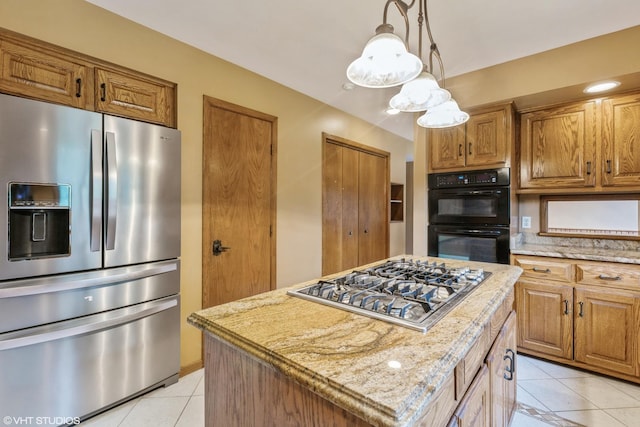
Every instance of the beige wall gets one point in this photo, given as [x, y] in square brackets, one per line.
[555, 76]
[85, 28]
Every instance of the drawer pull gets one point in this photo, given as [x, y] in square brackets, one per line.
[603, 277]
[581, 304]
[566, 306]
[510, 369]
[540, 270]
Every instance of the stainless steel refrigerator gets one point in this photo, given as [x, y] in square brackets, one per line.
[89, 268]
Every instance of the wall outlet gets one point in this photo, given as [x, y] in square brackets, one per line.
[526, 222]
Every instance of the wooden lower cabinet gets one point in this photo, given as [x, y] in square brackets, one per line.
[606, 329]
[545, 322]
[590, 322]
[501, 362]
[475, 408]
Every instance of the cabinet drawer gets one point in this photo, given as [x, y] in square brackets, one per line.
[608, 274]
[545, 268]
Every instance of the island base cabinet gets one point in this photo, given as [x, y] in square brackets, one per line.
[240, 391]
[475, 408]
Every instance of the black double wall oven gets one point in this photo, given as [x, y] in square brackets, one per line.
[469, 215]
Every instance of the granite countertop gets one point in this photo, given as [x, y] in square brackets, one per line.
[608, 250]
[344, 357]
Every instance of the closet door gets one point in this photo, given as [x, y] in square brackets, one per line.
[373, 211]
[355, 205]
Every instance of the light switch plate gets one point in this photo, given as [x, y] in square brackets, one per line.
[526, 222]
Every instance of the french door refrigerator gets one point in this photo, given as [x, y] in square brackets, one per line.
[89, 268]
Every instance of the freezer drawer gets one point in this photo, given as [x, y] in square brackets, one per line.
[38, 301]
[75, 368]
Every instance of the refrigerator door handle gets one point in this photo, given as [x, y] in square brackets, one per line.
[96, 190]
[47, 285]
[88, 326]
[112, 191]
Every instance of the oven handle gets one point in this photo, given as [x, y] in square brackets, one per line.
[475, 232]
[480, 193]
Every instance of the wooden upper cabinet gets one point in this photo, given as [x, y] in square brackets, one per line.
[446, 148]
[134, 96]
[621, 141]
[36, 69]
[484, 141]
[487, 139]
[42, 74]
[558, 147]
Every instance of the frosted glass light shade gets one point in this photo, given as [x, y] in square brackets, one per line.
[443, 116]
[385, 62]
[420, 94]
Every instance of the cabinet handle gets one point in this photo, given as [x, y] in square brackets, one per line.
[589, 168]
[603, 277]
[103, 92]
[608, 166]
[470, 144]
[581, 314]
[510, 370]
[460, 150]
[566, 306]
[78, 88]
[539, 270]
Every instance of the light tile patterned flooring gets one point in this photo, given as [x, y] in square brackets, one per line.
[548, 395]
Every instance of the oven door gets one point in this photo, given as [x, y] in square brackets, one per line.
[484, 244]
[469, 206]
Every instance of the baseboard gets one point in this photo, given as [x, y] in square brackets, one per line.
[185, 370]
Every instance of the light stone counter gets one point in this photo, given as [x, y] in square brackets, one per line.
[344, 357]
[624, 251]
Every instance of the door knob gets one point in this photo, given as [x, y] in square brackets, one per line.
[218, 248]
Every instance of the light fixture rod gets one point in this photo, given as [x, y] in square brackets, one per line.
[433, 47]
[402, 8]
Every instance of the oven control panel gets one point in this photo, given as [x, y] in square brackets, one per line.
[491, 177]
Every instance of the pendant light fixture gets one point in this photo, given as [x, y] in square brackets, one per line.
[420, 92]
[386, 60]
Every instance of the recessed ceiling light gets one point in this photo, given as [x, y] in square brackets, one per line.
[601, 86]
[392, 111]
[348, 86]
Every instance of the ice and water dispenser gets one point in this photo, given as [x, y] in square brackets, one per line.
[39, 220]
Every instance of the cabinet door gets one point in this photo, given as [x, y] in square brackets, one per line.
[487, 139]
[373, 208]
[474, 410]
[40, 74]
[621, 141]
[134, 97]
[502, 370]
[447, 148]
[606, 329]
[558, 147]
[545, 322]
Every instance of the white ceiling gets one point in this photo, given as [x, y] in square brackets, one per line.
[307, 46]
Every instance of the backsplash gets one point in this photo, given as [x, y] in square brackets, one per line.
[576, 242]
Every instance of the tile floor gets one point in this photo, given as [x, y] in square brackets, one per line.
[548, 395]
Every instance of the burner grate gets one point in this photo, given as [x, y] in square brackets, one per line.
[411, 293]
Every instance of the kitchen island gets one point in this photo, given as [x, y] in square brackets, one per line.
[274, 359]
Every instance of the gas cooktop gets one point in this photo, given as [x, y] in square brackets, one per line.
[412, 293]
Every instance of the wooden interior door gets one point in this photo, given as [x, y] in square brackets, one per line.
[238, 202]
